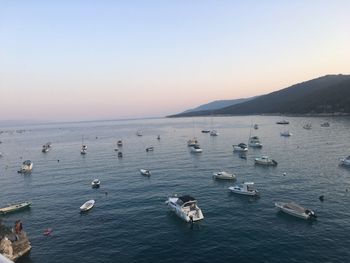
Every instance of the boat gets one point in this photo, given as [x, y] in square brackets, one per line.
[47, 231]
[224, 176]
[196, 149]
[325, 124]
[307, 126]
[247, 188]
[286, 134]
[213, 133]
[95, 183]
[120, 143]
[27, 167]
[205, 131]
[158, 137]
[185, 207]
[296, 210]
[83, 146]
[242, 147]
[256, 126]
[265, 160]
[150, 149]
[254, 142]
[192, 142]
[145, 172]
[15, 207]
[120, 155]
[282, 122]
[87, 206]
[45, 148]
[139, 133]
[345, 161]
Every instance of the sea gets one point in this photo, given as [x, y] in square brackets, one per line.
[131, 222]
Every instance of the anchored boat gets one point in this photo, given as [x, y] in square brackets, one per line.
[87, 206]
[246, 188]
[295, 210]
[265, 160]
[224, 176]
[15, 207]
[185, 207]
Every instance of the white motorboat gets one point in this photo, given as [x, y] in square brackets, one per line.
[242, 147]
[45, 148]
[247, 188]
[95, 183]
[15, 208]
[196, 149]
[325, 124]
[286, 134]
[224, 176]
[254, 142]
[214, 133]
[83, 146]
[87, 206]
[256, 126]
[139, 133]
[265, 160]
[120, 143]
[150, 149]
[205, 131]
[192, 142]
[120, 155]
[185, 207]
[145, 172]
[345, 161]
[282, 122]
[295, 210]
[307, 126]
[27, 167]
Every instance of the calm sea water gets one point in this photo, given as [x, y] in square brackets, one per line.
[132, 224]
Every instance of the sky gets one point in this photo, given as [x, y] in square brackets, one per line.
[70, 60]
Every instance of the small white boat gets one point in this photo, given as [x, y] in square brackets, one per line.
[242, 147]
[286, 134]
[265, 160]
[45, 148]
[345, 161]
[15, 207]
[205, 131]
[307, 126]
[224, 176]
[295, 210]
[256, 126]
[83, 149]
[27, 167]
[87, 206]
[150, 149]
[254, 142]
[139, 133]
[246, 188]
[214, 133]
[145, 172]
[185, 207]
[192, 142]
[282, 122]
[95, 183]
[325, 124]
[196, 149]
[120, 143]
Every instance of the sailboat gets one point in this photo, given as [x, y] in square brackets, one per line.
[213, 132]
[83, 146]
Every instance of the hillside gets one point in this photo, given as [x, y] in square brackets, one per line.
[327, 94]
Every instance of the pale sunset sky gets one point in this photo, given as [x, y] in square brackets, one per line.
[68, 60]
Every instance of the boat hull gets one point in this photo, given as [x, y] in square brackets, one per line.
[15, 208]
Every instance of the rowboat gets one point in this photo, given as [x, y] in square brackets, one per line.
[15, 207]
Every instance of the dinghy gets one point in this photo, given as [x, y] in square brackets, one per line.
[145, 172]
[87, 206]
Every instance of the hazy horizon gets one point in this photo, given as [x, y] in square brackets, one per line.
[83, 60]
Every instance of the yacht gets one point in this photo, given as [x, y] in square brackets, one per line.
[242, 147]
[325, 124]
[247, 188]
[185, 207]
[282, 122]
[255, 142]
[286, 134]
[120, 143]
[265, 160]
[214, 133]
[192, 142]
[87, 206]
[83, 149]
[196, 149]
[95, 183]
[45, 148]
[145, 172]
[27, 167]
[345, 161]
[307, 126]
[295, 210]
[224, 176]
